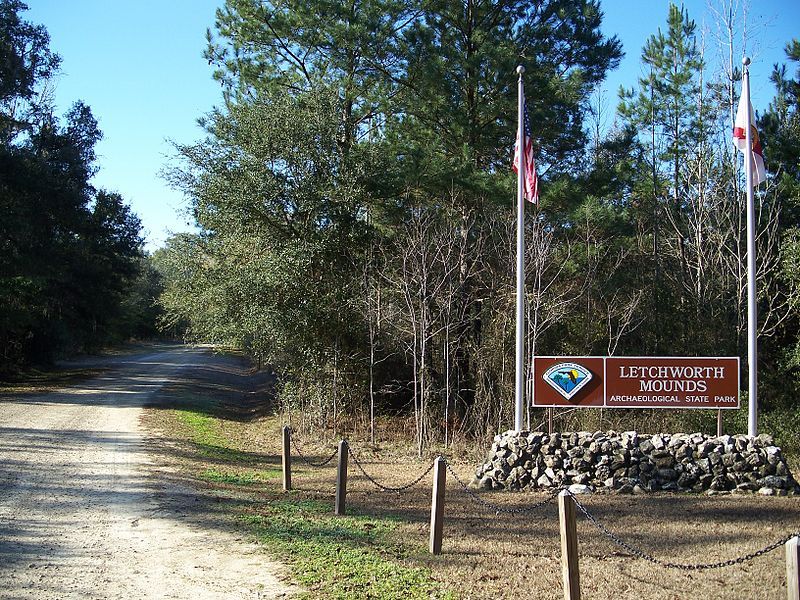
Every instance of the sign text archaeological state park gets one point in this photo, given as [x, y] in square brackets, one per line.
[636, 382]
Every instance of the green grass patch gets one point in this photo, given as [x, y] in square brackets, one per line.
[204, 428]
[206, 434]
[241, 478]
[341, 557]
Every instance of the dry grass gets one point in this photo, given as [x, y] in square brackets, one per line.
[491, 556]
[486, 555]
[505, 556]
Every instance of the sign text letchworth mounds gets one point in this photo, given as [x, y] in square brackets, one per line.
[636, 382]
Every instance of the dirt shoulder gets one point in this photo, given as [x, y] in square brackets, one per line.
[87, 510]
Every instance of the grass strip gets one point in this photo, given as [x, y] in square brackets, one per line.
[241, 477]
[206, 434]
[340, 557]
[347, 558]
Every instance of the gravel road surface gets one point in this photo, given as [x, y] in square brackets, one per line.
[86, 512]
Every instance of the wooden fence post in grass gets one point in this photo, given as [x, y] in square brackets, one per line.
[287, 458]
[793, 568]
[341, 479]
[437, 505]
[569, 546]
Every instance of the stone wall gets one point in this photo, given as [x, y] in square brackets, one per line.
[627, 462]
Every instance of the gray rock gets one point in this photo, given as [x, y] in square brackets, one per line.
[577, 489]
[702, 450]
[739, 466]
[553, 462]
[719, 484]
[693, 462]
[774, 481]
[754, 460]
[766, 491]
[618, 461]
[665, 462]
[584, 478]
[646, 446]
[765, 440]
[667, 474]
[485, 483]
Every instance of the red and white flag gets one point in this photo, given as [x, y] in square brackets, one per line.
[740, 140]
[531, 180]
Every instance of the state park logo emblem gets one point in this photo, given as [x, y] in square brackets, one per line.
[567, 378]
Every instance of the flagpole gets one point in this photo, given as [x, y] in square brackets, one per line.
[752, 316]
[519, 392]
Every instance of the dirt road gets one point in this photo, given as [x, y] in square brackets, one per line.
[87, 512]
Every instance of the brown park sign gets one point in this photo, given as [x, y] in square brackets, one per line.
[636, 382]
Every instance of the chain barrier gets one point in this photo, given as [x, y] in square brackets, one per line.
[386, 488]
[495, 507]
[310, 462]
[638, 552]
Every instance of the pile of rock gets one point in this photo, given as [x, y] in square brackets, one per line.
[627, 462]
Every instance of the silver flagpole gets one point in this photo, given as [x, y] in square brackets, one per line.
[520, 363]
[752, 316]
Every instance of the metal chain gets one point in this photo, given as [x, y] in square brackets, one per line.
[615, 539]
[671, 565]
[386, 488]
[496, 508]
[309, 462]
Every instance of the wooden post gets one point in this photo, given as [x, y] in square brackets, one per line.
[569, 547]
[341, 479]
[287, 458]
[793, 568]
[719, 422]
[437, 505]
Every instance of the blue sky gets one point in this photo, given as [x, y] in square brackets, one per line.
[139, 65]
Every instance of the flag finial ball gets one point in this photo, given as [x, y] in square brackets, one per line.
[520, 70]
[746, 61]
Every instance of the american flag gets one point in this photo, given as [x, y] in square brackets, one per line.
[531, 180]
